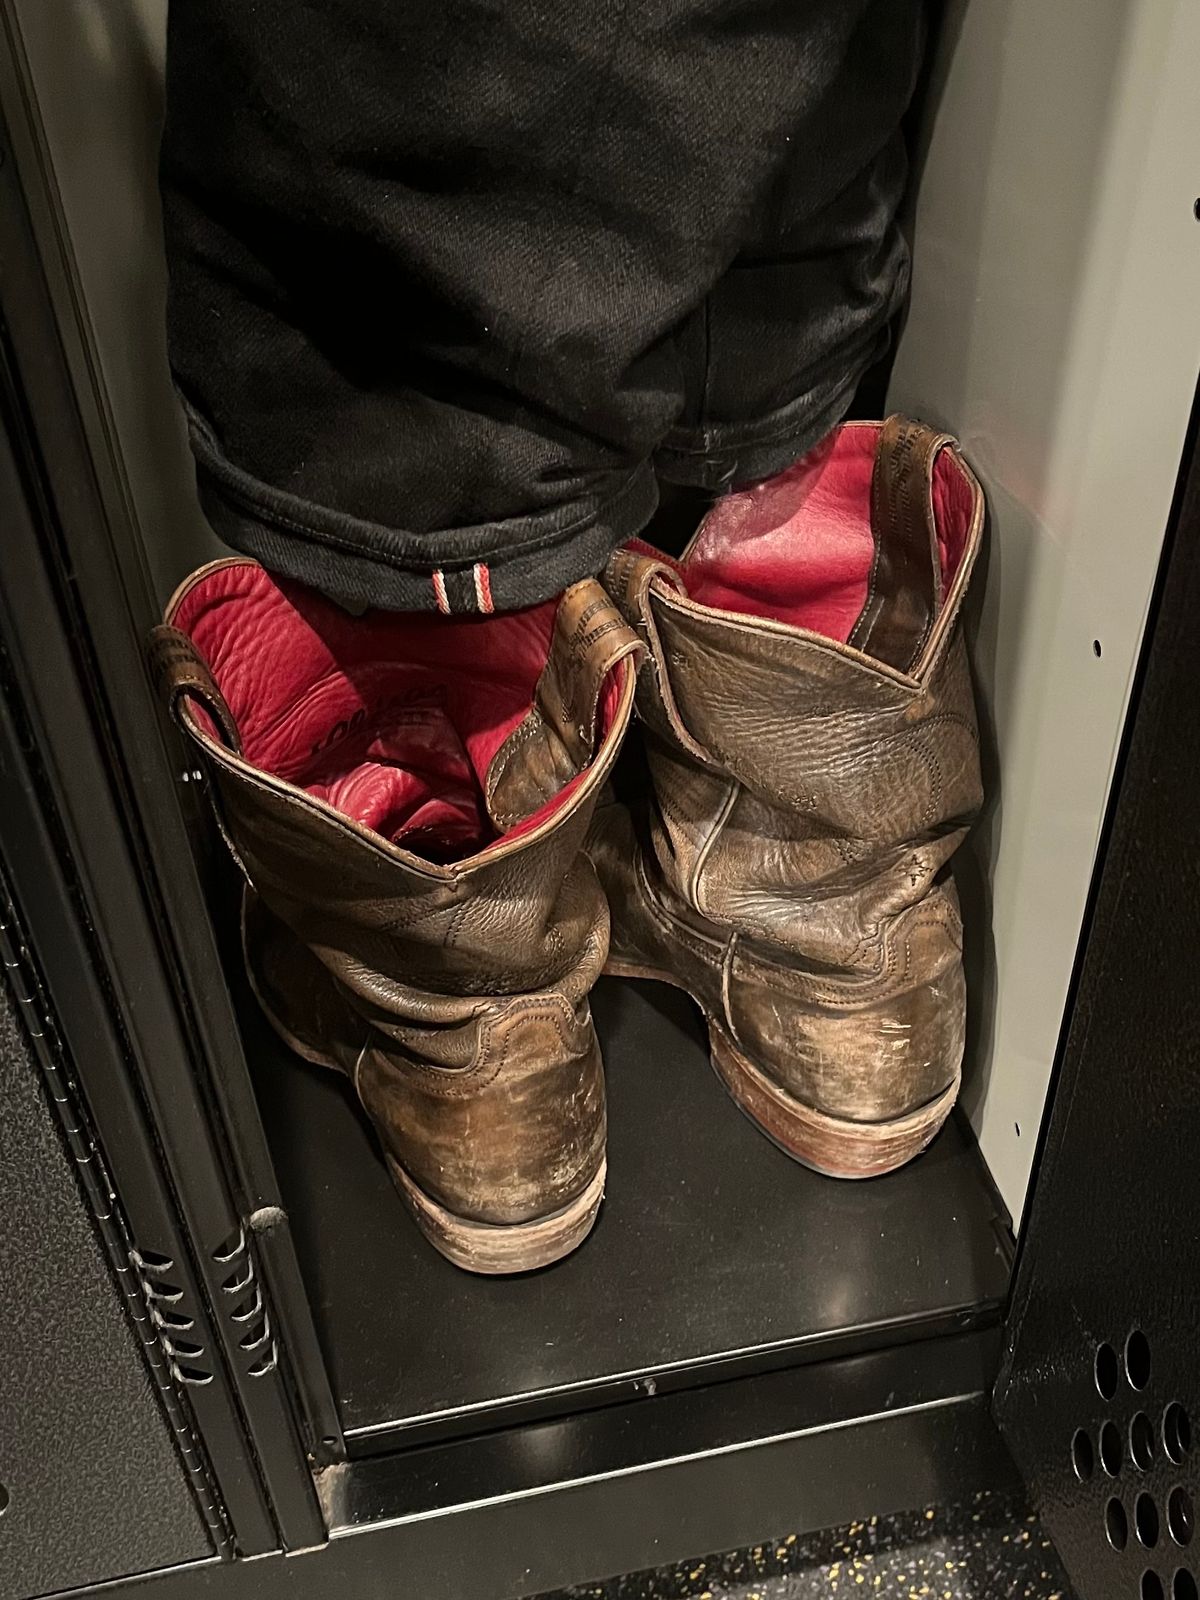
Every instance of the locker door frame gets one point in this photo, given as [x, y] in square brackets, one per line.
[186, 1156]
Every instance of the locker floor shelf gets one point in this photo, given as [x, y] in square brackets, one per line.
[714, 1255]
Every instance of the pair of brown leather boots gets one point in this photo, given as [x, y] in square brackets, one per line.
[413, 800]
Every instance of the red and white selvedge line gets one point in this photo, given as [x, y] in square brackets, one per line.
[483, 589]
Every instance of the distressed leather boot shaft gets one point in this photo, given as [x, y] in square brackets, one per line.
[811, 737]
[407, 797]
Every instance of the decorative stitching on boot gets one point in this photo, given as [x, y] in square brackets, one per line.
[928, 753]
[868, 989]
[456, 1083]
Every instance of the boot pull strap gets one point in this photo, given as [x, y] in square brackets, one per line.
[632, 573]
[904, 593]
[557, 740]
[590, 637]
[180, 673]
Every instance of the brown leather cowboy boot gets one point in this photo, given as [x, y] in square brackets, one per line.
[407, 796]
[810, 730]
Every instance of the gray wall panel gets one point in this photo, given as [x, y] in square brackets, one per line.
[1055, 327]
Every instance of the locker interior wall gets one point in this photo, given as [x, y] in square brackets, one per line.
[1050, 328]
[1055, 327]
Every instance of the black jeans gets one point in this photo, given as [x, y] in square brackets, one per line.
[454, 282]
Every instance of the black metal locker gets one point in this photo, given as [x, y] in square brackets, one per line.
[1100, 1381]
[93, 1471]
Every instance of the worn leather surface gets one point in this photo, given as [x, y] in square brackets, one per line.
[454, 993]
[510, 1134]
[791, 870]
[905, 586]
[395, 721]
[575, 691]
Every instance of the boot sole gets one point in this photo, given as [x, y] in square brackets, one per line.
[492, 1249]
[835, 1147]
[500, 1249]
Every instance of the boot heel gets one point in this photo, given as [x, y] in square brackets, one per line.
[834, 1146]
[496, 1248]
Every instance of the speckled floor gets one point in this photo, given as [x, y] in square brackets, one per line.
[991, 1549]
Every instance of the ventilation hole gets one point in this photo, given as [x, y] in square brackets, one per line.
[1096, 650]
[1141, 1442]
[153, 1261]
[165, 1294]
[264, 1364]
[248, 1309]
[186, 1352]
[173, 1320]
[255, 1338]
[1116, 1524]
[1196, 209]
[1137, 1359]
[4, 1499]
[1180, 1518]
[1082, 1456]
[1108, 1371]
[1110, 1449]
[1176, 1432]
[1145, 1520]
[232, 1247]
[240, 1279]
[1184, 1586]
[195, 1375]
[1152, 1588]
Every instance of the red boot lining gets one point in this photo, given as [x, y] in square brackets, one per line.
[392, 718]
[798, 547]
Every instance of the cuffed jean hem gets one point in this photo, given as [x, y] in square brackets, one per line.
[502, 567]
[720, 456]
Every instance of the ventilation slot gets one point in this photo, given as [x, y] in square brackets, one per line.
[246, 1307]
[164, 1296]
